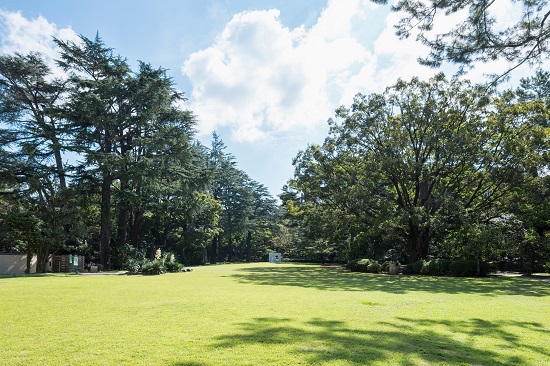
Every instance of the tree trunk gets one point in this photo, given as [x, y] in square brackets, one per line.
[42, 258]
[123, 215]
[417, 242]
[230, 248]
[29, 260]
[248, 245]
[59, 167]
[135, 228]
[214, 251]
[105, 222]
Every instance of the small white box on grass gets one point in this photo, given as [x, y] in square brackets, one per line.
[275, 257]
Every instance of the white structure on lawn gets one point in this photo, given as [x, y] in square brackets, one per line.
[275, 257]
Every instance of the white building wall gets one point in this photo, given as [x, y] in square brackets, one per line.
[16, 263]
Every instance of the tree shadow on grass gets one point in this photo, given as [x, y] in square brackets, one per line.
[405, 341]
[338, 279]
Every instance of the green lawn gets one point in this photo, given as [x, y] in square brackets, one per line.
[268, 314]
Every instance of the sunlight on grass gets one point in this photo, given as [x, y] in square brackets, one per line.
[257, 314]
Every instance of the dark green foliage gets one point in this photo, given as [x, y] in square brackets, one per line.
[173, 266]
[414, 167]
[465, 268]
[155, 267]
[445, 267]
[435, 267]
[248, 216]
[152, 267]
[414, 267]
[364, 265]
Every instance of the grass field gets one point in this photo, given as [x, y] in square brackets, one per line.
[268, 314]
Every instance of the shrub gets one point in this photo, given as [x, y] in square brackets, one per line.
[414, 267]
[435, 267]
[443, 267]
[364, 265]
[463, 268]
[155, 267]
[374, 267]
[173, 266]
[161, 264]
[133, 266]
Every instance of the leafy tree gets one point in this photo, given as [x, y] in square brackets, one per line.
[24, 229]
[477, 35]
[158, 158]
[97, 110]
[531, 201]
[262, 223]
[433, 154]
[230, 188]
[32, 140]
[248, 210]
[29, 97]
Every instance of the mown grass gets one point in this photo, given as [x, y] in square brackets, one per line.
[260, 314]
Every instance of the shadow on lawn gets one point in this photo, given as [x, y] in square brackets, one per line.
[406, 341]
[338, 279]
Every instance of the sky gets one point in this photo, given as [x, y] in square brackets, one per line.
[266, 75]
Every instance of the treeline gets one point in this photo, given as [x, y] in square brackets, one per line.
[438, 169]
[102, 161]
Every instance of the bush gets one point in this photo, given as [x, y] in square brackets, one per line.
[443, 267]
[414, 267]
[173, 266]
[374, 267]
[510, 266]
[465, 268]
[435, 267]
[133, 266]
[161, 264]
[364, 265]
[155, 267]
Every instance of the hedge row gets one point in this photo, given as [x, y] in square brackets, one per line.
[431, 267]
[446, 267]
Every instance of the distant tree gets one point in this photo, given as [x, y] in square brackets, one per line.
[478, 35]
[263, 220]
[248, 210]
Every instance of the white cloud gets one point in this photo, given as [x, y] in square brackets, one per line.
[19, 34]
[260, 77]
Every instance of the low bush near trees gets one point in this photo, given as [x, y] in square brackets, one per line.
[161, 264]
[445, 267]
[365, 265]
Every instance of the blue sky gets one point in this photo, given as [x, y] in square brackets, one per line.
[265, 74]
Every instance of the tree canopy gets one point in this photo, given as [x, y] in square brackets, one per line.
[464, 32]
[411, 166]
[104, 162]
